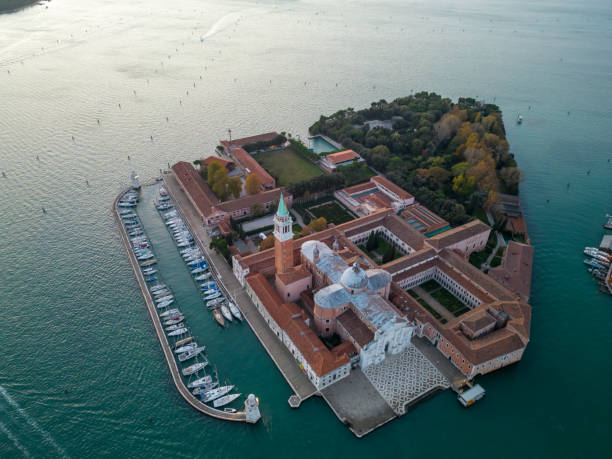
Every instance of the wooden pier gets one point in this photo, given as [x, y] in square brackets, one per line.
[159, 329]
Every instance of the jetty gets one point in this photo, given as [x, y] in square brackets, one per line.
[159, 330]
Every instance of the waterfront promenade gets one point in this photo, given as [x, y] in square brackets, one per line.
[159, 330]
[297, 380]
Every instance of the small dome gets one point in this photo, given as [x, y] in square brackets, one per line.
[354, 278]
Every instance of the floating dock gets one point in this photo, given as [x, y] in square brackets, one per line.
[163, 341]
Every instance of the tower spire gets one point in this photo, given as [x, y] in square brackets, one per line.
[282, 208]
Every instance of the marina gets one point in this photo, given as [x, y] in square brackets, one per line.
[158, 298]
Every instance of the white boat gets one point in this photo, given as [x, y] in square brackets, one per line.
[183, 341]
[225, 400]
[179, 332]
[186, 347]
[212, 296]
[169, 312]
[210, 291]
[157, 287]
[205, 388]
[165, 298]
[194, 368]
[190, 354]
[234, 310]
[214, 302]
[175, 327]
[203, 276]
[200, 382]
[173, 320]
[226, 312]
[230, 410]
[214, 394]
[198, 271]
[165, 304]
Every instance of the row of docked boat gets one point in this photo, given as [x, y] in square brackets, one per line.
[212, 295]
[204, 386]
[599, 264]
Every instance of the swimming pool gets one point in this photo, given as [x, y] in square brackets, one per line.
[320, 145]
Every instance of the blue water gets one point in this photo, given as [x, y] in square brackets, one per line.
[320, 145]
[81, 370]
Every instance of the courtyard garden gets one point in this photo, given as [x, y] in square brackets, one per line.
[380, 250]
[287, 166]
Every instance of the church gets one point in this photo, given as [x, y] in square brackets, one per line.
[327, 305]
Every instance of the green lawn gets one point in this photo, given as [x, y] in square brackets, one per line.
[332, 212]
[287, 165]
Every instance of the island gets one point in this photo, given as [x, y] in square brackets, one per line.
[386, 260]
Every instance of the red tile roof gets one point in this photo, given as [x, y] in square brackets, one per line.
[199, 193]
[388, 184]
[246, 140]
[341, 157]
[228, 164]
[250, 163]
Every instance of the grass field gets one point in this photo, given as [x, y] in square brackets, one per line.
[332, 212]
[287, 165]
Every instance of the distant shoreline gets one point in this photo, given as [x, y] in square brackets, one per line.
[11, 6]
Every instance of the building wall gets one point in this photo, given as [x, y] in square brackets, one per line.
[325, 319]
[283, 255]
[418, 278]
[393, 341]
[239, 272]
[291, 292]
[472, 244]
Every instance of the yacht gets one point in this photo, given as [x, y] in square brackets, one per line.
[183, 341]
[203, 276]
[190, 354]
[164, 304]
[175, 327]
[205, 388]
[198, 271]
[225, 400]
[194, 368]
[178, 332]
[235, 311]
[173, 320]
[594, 264]
[218, 317]
[200, 382]
[214, 394]
[212, 296]
[169, 312]
[226, 312]
[186, 347]
[212, 303]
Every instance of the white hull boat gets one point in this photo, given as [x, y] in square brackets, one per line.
[235, 311]
[216, 393]
[226, 312]
[225, 400]
[179, 332]
[200, 382]
[194, 368]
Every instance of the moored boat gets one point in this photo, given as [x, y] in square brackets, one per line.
[186, 347]
[218, 317]
[214, 394]
[200, 382]
[225, 400]
[174, 327]
[170, 312]
[191, 369]
[174, 320]
[179, 332]
[205, 387]
[226, 312]
[234, 310]
[187, 355]
[184, 341]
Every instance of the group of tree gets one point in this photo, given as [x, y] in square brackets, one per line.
[316, 225]
[252, 184]
[448, 155]
[263, 144]
[220, 182]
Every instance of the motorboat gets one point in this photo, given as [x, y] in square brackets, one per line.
[200, 382]
[194, 368]
[183, 341]
[218, 317]
[169, 312]
[594, 264]
[190, 354]
[150, 279]
[203, 276]
[226, 312]
[210, 291]
[214, 394]
[175, 327]
[150, 262]
[165, 304]
[235, 311]
[225, 400]
[215, 302]
[186, 347]
[230, 410]
[149, 271]
[197, 271]
[173, 320]
[212, 296]
[205, 388]
[178, 332]
[166, 297]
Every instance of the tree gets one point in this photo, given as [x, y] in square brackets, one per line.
[372, 242]
[267, 243]
[389, 254]
[319, 224]
[252, 184]
[213, 168]
[235, 186]
[220, 183]
[463, 185]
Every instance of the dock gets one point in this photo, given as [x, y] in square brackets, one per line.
[285, 362]
[163, 341]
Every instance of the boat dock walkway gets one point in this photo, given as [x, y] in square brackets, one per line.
[159, 329]
[297, 380]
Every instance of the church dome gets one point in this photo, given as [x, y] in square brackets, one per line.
[354, 278]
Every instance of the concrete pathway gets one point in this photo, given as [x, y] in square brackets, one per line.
[501, 242]
[298, 218]
[434, 303]
[281, 356]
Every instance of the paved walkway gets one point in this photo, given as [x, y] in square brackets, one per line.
[258, 223]
[501, 242]
[298, 218]
[431, 301]
[357, 403]
[450, 371]
[281, 356]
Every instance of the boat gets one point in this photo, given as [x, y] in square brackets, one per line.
[212, 296]
[174, 327]
[205, 388]
[157, 287]
[594, 264]
[173, 320]
[225, 400]
[194, 368]
[214, 394]
[226, 312]
[186, 347]
[183, 341]
[519, 119]
[210, 291]
[235, 311]
[169, 312]
[200, 382]
[215, 302]
[148, 262]
[218, 317]
[165, 304]
[203, 276]
[135, 180]
[150, 279]
[471, 396]
[608, 224]
[190, 354]
[167, 297]
[198, 271]
[230, 410]
[149, 271]
[126, 212]
[179, 332]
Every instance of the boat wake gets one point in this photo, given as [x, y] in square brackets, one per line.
[223, 23]
[32, 423]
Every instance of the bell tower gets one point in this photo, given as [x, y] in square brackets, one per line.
[283, 238]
